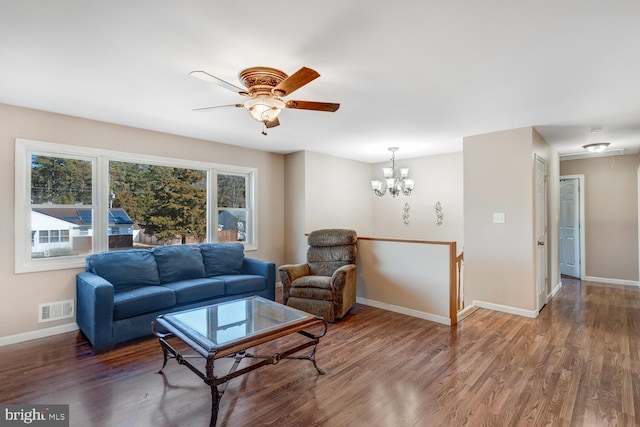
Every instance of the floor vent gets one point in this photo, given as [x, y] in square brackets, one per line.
[55, 310]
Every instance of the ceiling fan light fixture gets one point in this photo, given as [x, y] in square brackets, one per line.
[264, 108]
[597, 147]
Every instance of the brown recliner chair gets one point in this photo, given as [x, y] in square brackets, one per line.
[326, 284]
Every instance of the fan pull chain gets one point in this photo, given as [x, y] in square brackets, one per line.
[264, 128]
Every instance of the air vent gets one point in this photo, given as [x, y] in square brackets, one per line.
[55, 310]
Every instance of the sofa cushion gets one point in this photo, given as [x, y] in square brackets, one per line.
[242, 283]
[196, 289]
[179, 262]
[222, 258]
[126, 269]
[141, 300]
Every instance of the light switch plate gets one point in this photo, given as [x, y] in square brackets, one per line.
[499, 217]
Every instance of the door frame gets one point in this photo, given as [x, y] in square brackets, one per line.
[545, 214]
[581, 197]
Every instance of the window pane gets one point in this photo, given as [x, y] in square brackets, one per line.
[60, 181]
[156, 205]
[232, 191]
[61, 231]
[232, 225]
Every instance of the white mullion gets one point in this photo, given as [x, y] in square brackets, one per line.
[100, 198]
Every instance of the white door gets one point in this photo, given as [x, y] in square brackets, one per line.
[570, 227]
[541, 231]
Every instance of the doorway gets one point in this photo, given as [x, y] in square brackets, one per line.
[571, 226]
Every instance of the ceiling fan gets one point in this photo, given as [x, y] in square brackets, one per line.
[266, 87]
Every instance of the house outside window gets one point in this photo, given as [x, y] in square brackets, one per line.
[233, 212]
[72, 201]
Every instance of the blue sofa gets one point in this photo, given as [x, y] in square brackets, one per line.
[121, 292]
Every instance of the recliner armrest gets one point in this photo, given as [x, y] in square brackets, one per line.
[94, 314]
[289, 273]
[343, 284]
[342, 276]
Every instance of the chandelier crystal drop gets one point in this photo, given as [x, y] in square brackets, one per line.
[394, 182]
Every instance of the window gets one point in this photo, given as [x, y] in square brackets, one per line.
[72, 201]
[233, 213]
[165, 205]
[58, 186]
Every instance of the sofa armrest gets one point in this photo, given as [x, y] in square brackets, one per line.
[94, 315]
[289, 273]
[262, 268]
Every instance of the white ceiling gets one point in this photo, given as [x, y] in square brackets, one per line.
[419, 75]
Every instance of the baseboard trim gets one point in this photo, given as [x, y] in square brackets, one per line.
[40, 333]
[611, 281]
[403, 310]
[466, 312]
[555, 290]
[506, 309]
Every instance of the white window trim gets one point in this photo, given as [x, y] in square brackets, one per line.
[101, 158]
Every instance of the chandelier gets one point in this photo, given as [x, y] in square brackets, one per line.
[393, 182]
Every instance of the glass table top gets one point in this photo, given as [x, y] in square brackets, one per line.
[228, 323]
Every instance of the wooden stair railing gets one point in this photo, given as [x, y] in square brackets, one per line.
[459, 286]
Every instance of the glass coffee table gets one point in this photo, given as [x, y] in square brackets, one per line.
[229, 329]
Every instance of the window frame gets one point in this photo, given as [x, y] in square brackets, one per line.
[249, 201]
[100, 158]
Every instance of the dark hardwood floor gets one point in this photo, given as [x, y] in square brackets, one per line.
[577, 364]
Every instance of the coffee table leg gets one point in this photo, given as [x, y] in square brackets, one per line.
[165, 355]
[215, 394]
[215, 405]
[312, 357]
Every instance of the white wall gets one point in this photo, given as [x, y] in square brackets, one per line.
[324, 192]
[411, 278]
[438, 178]
[499, 177]
[295, 212]
[407, 277]
[21, 293]
[611, 215]
[337, 193]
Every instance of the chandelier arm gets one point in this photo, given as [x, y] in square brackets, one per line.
[401, 184]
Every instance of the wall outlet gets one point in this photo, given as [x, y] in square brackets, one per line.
[499, 218]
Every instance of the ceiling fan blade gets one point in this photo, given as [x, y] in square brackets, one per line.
[203, 75]
[217, 106]
[295, 81]
[310, 105]
[273, 123]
